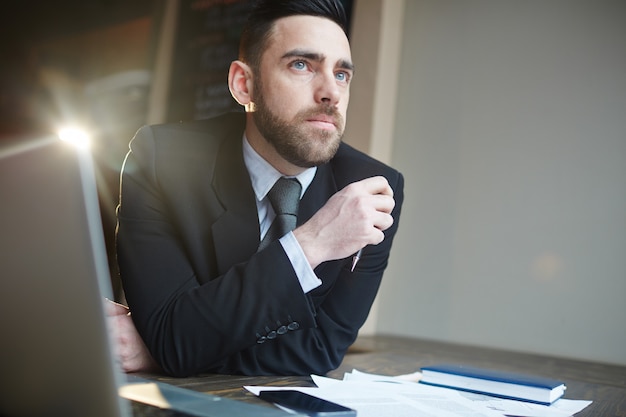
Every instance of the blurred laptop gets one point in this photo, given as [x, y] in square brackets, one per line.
[55, 355]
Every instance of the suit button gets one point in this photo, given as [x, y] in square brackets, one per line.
[294, 325]
[281, 330]
[271, 335]
[261, 339]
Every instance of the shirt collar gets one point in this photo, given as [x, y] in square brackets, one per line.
[263, 175]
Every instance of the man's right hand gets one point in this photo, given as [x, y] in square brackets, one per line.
[354, 217]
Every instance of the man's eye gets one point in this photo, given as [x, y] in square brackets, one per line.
[342, 76]
[299, 65]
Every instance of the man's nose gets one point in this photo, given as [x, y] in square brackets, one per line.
[327, 90]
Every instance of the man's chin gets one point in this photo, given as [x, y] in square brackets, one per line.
[322, 156]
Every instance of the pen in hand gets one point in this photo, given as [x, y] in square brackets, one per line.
[355, 259]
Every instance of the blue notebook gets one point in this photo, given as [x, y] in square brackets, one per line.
[492, 382]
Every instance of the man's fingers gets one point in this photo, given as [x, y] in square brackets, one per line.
[384, 203]
[378, 185]
[383, 221]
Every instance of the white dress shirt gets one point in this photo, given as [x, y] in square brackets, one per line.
[263, 176]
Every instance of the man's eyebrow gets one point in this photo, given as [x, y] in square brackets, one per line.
[345, 64]
[317, 57]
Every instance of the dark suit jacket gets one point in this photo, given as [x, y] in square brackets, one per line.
[201, 296]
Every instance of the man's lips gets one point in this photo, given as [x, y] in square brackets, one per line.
[323, 121]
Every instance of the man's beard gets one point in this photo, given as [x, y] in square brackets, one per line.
[301, 145]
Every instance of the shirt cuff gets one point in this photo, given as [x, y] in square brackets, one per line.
[308, 280]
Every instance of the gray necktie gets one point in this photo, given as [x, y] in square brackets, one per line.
[285, 199]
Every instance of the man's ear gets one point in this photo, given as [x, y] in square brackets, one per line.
[240, 83]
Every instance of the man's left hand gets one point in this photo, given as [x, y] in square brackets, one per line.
[130, 350]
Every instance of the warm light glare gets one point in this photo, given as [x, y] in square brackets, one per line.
[75, 136]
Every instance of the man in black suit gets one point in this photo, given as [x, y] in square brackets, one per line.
[204, 296]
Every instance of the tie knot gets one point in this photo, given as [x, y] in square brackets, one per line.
[285, 196]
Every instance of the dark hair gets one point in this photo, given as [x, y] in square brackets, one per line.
[258, 27]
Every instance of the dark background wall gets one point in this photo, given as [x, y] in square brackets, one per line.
[51, 50]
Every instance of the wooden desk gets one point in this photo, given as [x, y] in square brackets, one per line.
[604, 384]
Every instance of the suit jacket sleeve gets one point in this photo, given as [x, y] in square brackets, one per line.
[198, 312]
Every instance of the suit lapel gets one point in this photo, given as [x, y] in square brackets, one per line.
[236, 231]
[321, 189]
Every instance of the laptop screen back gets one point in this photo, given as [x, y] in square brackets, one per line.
[55, 358]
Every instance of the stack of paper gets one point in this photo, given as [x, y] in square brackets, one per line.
[383, 396]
